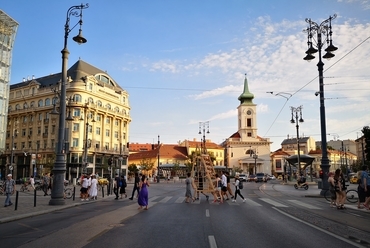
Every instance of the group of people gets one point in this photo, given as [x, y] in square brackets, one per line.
[222, 188]
[89, 187]
[337, 187]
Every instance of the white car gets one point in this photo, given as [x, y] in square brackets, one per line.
[271, 177]
[243, 177]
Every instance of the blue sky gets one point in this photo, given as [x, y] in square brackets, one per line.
[183, 62]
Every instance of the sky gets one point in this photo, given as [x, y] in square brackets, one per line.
[184, 62]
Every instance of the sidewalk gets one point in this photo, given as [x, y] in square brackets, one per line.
[26, 208]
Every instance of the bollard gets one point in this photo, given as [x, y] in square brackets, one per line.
[102, 191]
[74, 192]
[34, 198]
[16, 200]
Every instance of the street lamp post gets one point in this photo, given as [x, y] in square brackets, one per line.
[323, 29]
[158, 160]
[57, 194]
[255, 156]
[11, 166]
[202, 127]
[295, 112]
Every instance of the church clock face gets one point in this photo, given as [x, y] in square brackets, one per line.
[249, 112]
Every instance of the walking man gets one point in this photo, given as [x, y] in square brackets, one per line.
[228, 185]
[136, 186]
[224, 185]
[238, 184]
[9, 190]
[116, 186]
[45, 184]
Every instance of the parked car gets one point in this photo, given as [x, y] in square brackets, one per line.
[260, 177]
[251, 178]
[243, 177]
[353, 179]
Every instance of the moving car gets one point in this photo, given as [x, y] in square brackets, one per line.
[260, 177]
[251, 178]
[243, 177]
[271, 177]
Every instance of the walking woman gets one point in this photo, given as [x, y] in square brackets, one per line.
[339, 189]
[237, 189]
[189, 185]
[143, 194]
[94, 188]
[333, 197]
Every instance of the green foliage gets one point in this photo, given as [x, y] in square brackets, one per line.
[366, 136]
[132, 168]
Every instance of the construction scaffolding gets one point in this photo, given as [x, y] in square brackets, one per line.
[203, 173]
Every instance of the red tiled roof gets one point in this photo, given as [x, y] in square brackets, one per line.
[165, 151]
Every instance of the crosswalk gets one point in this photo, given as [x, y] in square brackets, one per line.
[255, 202]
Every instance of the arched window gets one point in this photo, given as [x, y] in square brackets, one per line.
[116, 109]
[32, 104]
[91, 100]
[108, 106]
[99, 103]
[123, 111]
[54, 101]
[77, 98]
[9, 108]
[17, 107]
[25, 106]
[40, 103]
[47, 102]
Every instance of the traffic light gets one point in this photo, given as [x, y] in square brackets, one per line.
[321, 174]
[110, 161]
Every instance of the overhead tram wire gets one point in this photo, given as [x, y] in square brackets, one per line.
[304, 86]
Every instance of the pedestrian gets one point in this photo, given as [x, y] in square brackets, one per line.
[51, 180]
[189, 186]
[116, 186]
[333, 195]
[93, 188]
[122, 186]
[360, 191]
[228, 185]
[32, 182]
[136, 186]
[224, 185]
[9, 189]
[340, 194]
[84, 188]
[45, 183]
[143, 194]
[237, 189]
[217, 194]
[365, 180]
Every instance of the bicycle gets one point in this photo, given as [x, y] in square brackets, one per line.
[351, 195]
[68, 193]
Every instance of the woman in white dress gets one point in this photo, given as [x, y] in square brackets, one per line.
[94, 188]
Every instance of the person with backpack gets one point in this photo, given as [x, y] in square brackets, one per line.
[238, 186]
[122, 186]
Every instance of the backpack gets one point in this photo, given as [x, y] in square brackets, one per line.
[123, 182]
[120, 183]
[240, 185]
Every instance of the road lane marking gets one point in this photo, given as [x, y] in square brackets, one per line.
[252, 203]
[164, 200]
[153, 198]
[320, 229]
[207, 213]
[276, 204]
[180, 200]
[212, 242]
[309, 206]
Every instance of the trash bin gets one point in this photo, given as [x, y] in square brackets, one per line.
[319, 184]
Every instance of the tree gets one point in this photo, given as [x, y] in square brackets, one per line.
[147, 166]
[132, 168]
[366, 140]
[176, 167]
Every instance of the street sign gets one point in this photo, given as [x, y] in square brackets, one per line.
[11, 167]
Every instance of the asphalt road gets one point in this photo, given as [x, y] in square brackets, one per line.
[273, 215]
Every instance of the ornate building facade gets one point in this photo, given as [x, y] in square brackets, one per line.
[97, 124]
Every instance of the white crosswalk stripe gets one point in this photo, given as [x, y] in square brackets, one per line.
[164, 200]
[274, 203]
[309, 206]
[180, 200]
[252, 203]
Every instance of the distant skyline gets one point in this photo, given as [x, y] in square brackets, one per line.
[184, 62]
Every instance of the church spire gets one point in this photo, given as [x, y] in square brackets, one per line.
[246, 96]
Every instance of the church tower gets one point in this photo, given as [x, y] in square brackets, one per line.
[247, 116]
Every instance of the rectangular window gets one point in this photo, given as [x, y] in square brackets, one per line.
[249, 122]
[97, 131]
[53, 129]
[30, 144]
[116, 134]
[249, 134]
[52, 143]
[76, 127]
[25, 119]
[76, 112]
[46, 130]
[75, 142]
[89, 129]
[107, 120]
[39, 130]
[45, 144]
[40, 117]
[116, 147]
[24, 132]
[23, 145]
[107, 145]
[30, 131]
[98, 117]
[107, 132]
[74, 157]
[116, 122]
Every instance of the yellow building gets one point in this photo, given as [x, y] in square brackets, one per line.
[98, 118]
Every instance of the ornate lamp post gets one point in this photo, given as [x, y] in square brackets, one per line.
[323, 29]
[202, 127]
[296, 111]
[60, 162]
